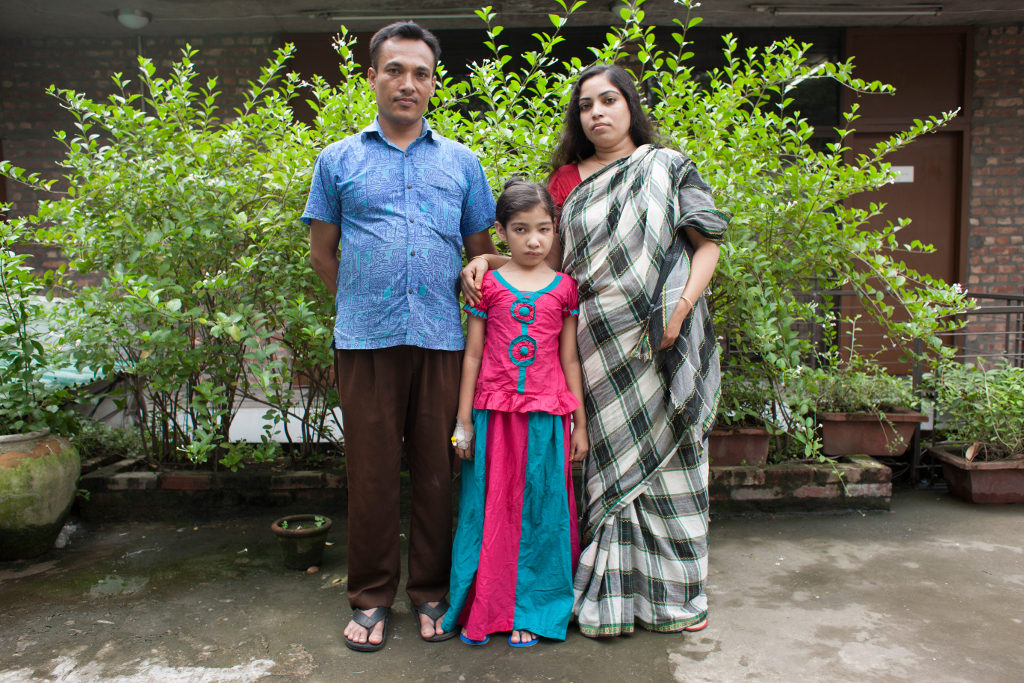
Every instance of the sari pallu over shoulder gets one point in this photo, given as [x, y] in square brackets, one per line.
[622, 230]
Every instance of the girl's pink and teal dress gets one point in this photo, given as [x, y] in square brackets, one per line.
[516, 544]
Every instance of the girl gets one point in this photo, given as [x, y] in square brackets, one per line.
[516, 545]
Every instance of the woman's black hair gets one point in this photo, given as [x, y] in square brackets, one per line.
[521, 195]
[409, 30]
[574, 146]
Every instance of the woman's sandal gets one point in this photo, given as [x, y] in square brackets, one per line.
[524, 643]
[693, 628]
[368, 622]
[434, 613]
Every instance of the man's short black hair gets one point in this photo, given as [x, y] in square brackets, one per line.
[404, 29]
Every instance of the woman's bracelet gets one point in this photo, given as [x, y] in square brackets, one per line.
[483, 256]
[692, 306]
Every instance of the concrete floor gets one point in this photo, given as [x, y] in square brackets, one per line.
[931, 591]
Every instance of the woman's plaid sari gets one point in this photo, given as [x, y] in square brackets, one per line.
[648, 412]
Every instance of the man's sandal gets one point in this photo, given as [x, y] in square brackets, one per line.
[434, 613]
[368, 622]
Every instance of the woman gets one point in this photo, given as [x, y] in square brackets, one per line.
[639, 231]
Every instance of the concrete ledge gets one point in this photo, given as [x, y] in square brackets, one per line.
[186, 496]
[801, 487]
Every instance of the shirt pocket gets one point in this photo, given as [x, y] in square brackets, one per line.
[355, 196]
[442, 203]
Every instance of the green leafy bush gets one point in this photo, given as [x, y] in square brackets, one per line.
[981, 406]
[27, 402]
[208, 296]
[97, 440]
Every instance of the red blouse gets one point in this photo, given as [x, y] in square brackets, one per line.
[562, 182]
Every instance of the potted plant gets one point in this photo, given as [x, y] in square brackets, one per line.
[302, 539]
[862, 409]
[740, 435]
[38, 470]
[981, 427]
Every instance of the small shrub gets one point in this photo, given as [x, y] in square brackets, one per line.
[981, 406]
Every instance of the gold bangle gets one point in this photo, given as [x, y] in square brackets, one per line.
[692, 306]
[483, 256]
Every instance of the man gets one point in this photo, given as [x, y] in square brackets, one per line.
[402, 202]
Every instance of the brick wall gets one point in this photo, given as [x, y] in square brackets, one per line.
[995, 242]
[28, 116]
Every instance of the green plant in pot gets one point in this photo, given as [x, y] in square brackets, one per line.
[38, 470]
[741, 435]
[302, 539]
[862, 408]
[980, 430]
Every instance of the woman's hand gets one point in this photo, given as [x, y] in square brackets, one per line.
[472, 279]
[675, 323]
[578, 444]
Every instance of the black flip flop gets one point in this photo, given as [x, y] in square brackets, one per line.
[368, 622]
[434, 613]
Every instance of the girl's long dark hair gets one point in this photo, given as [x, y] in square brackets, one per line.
[521, 195]
[574, 146]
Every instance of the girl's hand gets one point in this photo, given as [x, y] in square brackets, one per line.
[462, 439]
[472, 279]
[675, 324]
[578, 444]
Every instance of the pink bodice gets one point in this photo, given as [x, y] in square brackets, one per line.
[521, 370]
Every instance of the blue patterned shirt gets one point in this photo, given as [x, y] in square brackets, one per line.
[403, 216]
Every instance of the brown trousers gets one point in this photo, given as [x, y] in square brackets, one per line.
[387, 395]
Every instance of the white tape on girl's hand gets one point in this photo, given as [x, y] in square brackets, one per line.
[460, 439]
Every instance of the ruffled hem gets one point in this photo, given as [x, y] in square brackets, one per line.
[473, 311]
[553, 404]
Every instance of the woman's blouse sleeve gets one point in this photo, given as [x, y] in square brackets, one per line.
[695, 204]
[562, 182]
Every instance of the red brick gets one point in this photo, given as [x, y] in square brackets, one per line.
[185, 481]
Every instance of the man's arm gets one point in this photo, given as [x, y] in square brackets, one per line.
[479, 243]
[323, 252]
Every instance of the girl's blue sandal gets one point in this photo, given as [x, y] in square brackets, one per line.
[524, 643]
[470, 641]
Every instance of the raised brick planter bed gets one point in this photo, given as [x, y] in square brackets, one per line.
[158, 496]
[801, 487]
[172, 496]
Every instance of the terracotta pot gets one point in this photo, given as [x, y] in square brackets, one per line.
[302, 543]
[867, 434]
[741, 446]
[38, 475]
[997, 481]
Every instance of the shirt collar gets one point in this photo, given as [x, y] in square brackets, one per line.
[425, 132]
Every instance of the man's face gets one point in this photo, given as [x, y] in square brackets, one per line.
[403, 80]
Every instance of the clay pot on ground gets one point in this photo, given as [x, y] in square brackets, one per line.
[887, 434]
[38, 476]
[992, 481]
[740, 446]
[302, 539]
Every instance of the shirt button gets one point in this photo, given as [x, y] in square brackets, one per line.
[406, 154]
[412, 220]
[412, 253]
[409, 186]
[410, 291]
